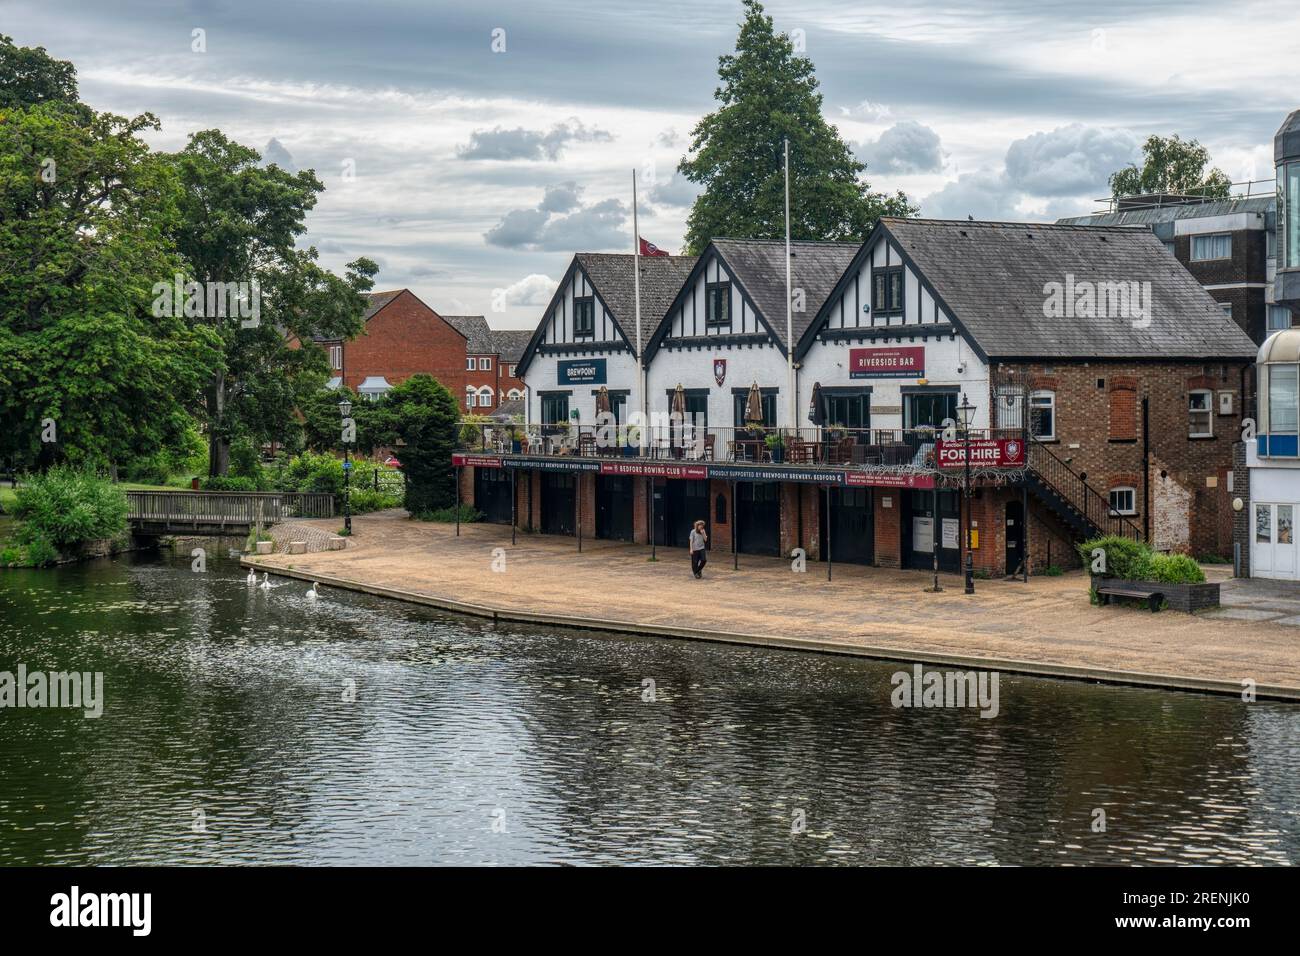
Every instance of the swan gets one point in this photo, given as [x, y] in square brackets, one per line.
[266, 581]
[252, 577]
[311, 594]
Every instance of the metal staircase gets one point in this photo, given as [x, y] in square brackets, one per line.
[1082, 508]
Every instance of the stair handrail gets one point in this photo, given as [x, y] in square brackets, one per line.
[1085, 499]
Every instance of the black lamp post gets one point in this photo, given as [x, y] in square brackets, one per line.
[345, 410]
[967, 412]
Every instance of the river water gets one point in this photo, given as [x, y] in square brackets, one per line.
[249, 726]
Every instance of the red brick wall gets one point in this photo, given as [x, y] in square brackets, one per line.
[586, 501]
[405, 338]
[467, 486]
[888, 527]
[720, 537]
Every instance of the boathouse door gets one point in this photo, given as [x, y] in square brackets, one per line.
[852, 530]
[758, 517]
[614, 507]
[557, 503]
[492, 494]
[678, 505]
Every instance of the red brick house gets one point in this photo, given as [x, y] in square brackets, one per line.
[491, 360]
[402, 337]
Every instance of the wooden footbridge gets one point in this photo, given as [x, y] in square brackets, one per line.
[220, 512]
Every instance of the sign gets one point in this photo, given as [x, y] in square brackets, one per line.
[949, 532]
[654, 469]
[581, 372]
[347, 466]
[922, 534]
[858, 479]
[986, 452]
[475, 461]
[552, 464]
[903, 362]
[719, 371]
[750, 473]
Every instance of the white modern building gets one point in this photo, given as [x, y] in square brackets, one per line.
[1273, 461]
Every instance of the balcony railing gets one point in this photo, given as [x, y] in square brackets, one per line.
[902, 448]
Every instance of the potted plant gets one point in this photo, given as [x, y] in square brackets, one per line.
[776, 446]
[512, 432]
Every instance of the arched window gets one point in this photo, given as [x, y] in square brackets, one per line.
[514, 394]
[485, 397]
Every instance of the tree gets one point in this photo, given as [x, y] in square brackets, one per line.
[239, 223]
[421, 413]
[88, 372]
[322, 423]
[768, 93]
[1171, 166]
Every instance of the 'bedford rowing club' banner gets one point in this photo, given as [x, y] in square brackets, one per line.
[654, 469]
[986, 452]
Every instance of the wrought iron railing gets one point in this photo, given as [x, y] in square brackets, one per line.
[1082, 497]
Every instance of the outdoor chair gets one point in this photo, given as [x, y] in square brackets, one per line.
[586, 444]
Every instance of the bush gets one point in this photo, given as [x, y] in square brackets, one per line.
[1173, 569]
[363, 500]
[65, 507]
[1125, 558]
[467, 515]
[229, 483]
[245, 463]
[1053, 572]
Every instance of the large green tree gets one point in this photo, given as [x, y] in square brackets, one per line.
[422, 414]
[769, 93]
[1171, 165]
[88, 372]
[239, 223]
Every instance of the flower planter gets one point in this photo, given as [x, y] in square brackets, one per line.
[1179, 597]
[778, 454]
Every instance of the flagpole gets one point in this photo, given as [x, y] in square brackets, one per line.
[636, 295]
[789, 306]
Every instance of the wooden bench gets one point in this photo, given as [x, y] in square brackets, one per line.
[1153, 598]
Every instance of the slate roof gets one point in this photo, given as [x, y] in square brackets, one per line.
[991, 277]
[661, 280]
[510, 343]
[759, 266]
[478, 334]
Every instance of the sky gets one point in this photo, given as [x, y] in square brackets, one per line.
[471, 148]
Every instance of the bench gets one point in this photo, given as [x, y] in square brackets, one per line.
[1141, 594]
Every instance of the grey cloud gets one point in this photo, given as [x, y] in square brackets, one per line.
[906, 147]
[562, 197]
[678, 191]
[520, 143]
[1070, 159]
[980, 194]
[560, 222]
[275, 153]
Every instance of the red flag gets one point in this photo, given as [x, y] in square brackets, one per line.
[650, 249]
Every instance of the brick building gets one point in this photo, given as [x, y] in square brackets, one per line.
[402, 337]
[491, 363]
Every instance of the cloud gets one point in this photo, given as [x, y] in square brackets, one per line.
[560, 222]
[906, 147]
[669, 138]
[520, 143]
[678, 191]
[274, 152]
[868, 111]
[1070, 159]
[532, 289]
[981, 194]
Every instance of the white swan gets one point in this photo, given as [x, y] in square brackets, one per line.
[252, 577]
[266, 581]
[311, 594]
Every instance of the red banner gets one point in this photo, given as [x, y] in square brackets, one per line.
[984, 452]
[475, 461]
[905, 362]
[860, 479]
[654, 469]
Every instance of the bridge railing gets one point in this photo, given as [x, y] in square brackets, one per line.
[227, 507]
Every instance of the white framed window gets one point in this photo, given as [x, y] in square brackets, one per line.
[1200, 413]
[1042, 415]
[1279, 317]
[1215, 246]
[485, 365]
[513, 370]
[485, 397]
[470, 364]
[336, 357]
[1227, 308]
[514, 393]
[1123, 501]
[470, 395]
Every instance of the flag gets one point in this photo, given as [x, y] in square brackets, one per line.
[650, 249]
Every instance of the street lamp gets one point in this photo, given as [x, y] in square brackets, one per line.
[345, 410]
[967, 412]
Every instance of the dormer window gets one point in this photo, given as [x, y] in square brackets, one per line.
[887, 289]
[584, 315]
[717, 304]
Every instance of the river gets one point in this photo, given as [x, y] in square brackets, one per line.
[246, 726]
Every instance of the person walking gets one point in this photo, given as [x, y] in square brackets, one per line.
[699, 542]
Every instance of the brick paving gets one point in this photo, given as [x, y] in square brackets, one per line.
[1047, 621]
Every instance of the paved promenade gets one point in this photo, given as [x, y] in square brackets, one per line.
[1045, 626]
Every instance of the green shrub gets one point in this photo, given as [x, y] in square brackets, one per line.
[229, 483]
[1125, 558]
[40, 553]
[363, 500]
[1212, 559]
[1053, 572]
[245, 463]
[65, 507]
[467, 515]
[1173, 569]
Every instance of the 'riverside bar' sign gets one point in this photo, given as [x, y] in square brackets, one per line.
[905, 362]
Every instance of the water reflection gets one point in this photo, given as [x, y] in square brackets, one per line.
[469, 743]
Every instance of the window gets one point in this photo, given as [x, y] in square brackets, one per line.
[555, 408]
[486, 397]
[929, 409]
[336, 357]
[513, 370]
[514, 393]
[1279, 317]
[1227, 308]
[1283, 408]
[717, 304]
[1042, 415]
[1123, 501]
[1292, 221]
[470, 364]
[469, 396]
[584, 315]
[741, 396]
[485, 365]
[1200, 408]
[887, 289]
[849, 411]
[1217, 246]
